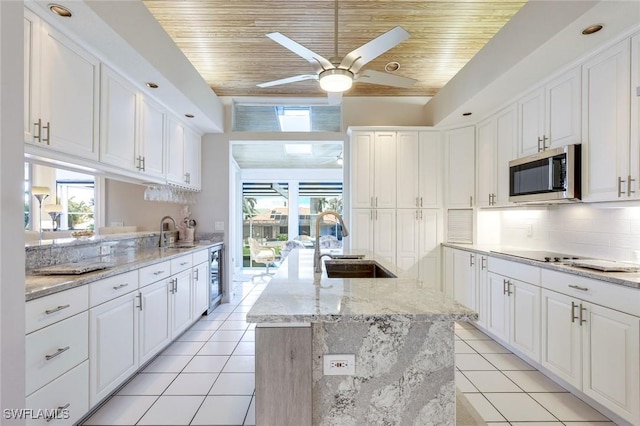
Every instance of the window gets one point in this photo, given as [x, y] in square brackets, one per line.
[287, 118]
[77, 200]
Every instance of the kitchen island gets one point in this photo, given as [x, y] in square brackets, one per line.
[399, 329]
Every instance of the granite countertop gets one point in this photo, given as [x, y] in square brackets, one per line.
[627, 279]
[37, 286]
[296, 294]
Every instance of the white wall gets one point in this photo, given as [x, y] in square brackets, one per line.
[583, 229]
[12, 327]
[124, 202]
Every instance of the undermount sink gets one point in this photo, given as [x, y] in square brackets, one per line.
[347, 256]
[337, 268]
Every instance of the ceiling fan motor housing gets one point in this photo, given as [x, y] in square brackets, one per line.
[336, 80]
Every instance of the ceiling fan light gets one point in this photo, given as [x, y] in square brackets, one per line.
[336, 80]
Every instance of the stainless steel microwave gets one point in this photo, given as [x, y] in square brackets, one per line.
[551, 176]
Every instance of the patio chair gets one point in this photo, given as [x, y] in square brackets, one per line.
[261, 254]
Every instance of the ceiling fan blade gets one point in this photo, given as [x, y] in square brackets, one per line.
[288, 80]
[318, 62]
[334, 98]
[356, 59]
[385, 79]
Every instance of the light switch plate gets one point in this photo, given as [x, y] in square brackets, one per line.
[339, 364]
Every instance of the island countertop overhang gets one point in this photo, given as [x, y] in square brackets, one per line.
[297, 295]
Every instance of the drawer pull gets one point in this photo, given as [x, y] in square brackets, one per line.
[573, 315]
[54, 415]
[577, 287]
[158, 272]
[184, 263]
[58, 352]
[59, 308]
[118, 287]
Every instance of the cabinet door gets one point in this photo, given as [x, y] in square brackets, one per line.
[481, 290]
[113, 345]
[192, 147]
[634, 157]
[461, 171]
[525, 318]
[384, 234]
[430, 169]
[408, 241]
[611, 359]
[117, 120]
[563, 110]
[175, 151]
[362, 170]
[155, 331]
[200, 289]
[181, 303]
[361, 229]
[497, 306]
[384, 170]
[430, 237]
[69, 81]
[561, 337]
[408, 166]
[151, 138]
[506, 134]
[531, 123]
[486, 148]
[605, 145]
[31, 75]
[464, 278]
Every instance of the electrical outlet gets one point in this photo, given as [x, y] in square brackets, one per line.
[105, 250]
[219, 226]
[339, 365]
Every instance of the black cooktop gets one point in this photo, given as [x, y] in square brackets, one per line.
[539, 255]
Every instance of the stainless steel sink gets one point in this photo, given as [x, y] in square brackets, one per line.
[347, 256]
[341, 268]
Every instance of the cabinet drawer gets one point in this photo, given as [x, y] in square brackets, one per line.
[519, 271]
[151, 274]
[598, 292]
[54, 350]
[69, 394]
[200, 256]
[55, 307]
[112, 287]
[181, 263]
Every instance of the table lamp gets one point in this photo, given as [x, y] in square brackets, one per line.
[41, 193]
[54, 211]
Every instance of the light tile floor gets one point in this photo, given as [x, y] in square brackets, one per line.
[207, 377]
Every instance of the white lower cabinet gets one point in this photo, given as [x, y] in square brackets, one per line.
[180, 303]
[375, 230]
[417, 244]
[65, 398]
[113, 345]
[497, 306]
[595, 349]
[200, 289]
[154, 331]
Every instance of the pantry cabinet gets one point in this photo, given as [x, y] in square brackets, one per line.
[549, 117]
[419, 169]
[460, 158]
[373, 169]
[375, 230]
[418, 239]
[606, 118]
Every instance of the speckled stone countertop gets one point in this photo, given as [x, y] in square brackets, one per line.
[42, 285]
[296, 294]
[627, 279]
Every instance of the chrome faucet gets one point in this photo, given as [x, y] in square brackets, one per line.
[317, 264]
[163, 243]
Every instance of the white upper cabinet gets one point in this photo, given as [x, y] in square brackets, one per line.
[62, 84]
[362, 169]
[384, 170]
[192, 159]
[486, 147]
[175, 151]
[634, 158]
[150, 155]
[373, 169]
[418, 169]
[605, 147]
[549, 117]
[460, 182]
[118, 99]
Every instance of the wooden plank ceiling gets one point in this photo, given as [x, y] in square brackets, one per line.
[225, 39]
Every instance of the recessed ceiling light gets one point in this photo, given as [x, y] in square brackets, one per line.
[189, 115]
[151, 85]
[592, 29]
[392, 66]
[466, 114]
[60, 10]
[298, 149]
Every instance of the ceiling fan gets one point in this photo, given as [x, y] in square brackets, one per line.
[336, 76]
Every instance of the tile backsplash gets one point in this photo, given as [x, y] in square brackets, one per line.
[583, 229]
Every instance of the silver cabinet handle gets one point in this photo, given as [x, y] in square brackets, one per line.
[470, 200]
[540, 144]
[59, 308]
[144, 163]
[577, 287]
[489, 199]
[118, 287]
[544, 142]
[158, 272]
[139, 296]
[52, 416]
[483, 263]
[504, 286]
[196, 274]
[416, 214]
[376, 201]
[420, 201]
[184, 263]
[48, 138]
[371, 202]
[620, 182]
[573, 309]
[509, 284]
[582, 309]
[55, 354]
[471, 259]
[376, 214]
[420, 214]
[629, 191]
[38, 124]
